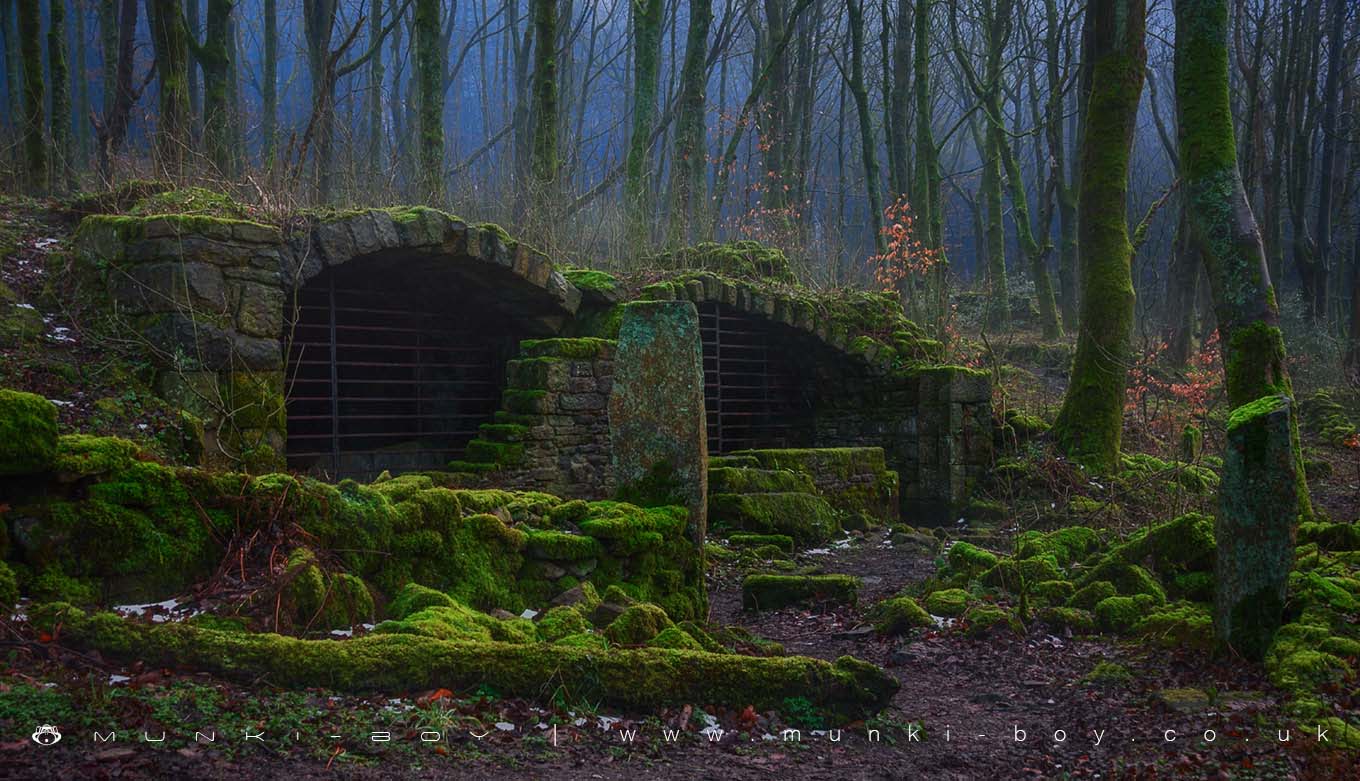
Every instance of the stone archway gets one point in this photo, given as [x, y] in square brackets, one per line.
[399, 327]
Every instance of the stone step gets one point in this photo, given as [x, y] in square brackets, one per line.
[737, 480]
[806, 518]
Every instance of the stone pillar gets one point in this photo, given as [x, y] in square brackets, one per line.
[1258, 508]
[657, 427]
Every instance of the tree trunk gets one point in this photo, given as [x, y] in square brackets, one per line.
[111, 128]
[35, 114]
[998, 289]
[687, 172]
[1221, 221]
[171, 44]
[269, 84]
[375, 93]
[81, 84]
[1331, 91]
[12, 64]
[545, 163]
[646, 72]
[1182, 292]
[63, 171]
[214, 56]
[430, 73]
[899, 101]
[860, 93]
[1114, 56]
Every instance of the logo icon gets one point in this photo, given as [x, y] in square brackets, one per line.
[46, 735]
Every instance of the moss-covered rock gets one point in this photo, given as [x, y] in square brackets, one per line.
[1179, 625]
[562, 621]
[947, 602]
[1128, 579]
[413, 598]
[9, 589]
[806, 518]
[1055, 592]
[970, 559]
[898, 615]
[734, 480]
[981, 619]
[28, 433]
[1015, 574]
[781, 541]
[1067, 546]
[637, 625]
[1076, 619]
[674, 637]
[1092, 593]
[771, 592]
[1121, 614]
[642, 678]
[1109, 674]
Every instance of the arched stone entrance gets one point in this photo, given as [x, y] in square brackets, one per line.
[398, 336]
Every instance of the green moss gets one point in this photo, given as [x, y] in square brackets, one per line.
[560, 622]
[561, 546]
[771, 592]
[781, 541]
[1076, 619]
[82, 455]
[9, 589]
[970, 559]
[981, 619]
[899, 615]
[807, 519]
[579, 348]
[502, 454]
[641, 678]
[1109, 674]
[458, 622]
[637, 625]
[739, 259]
[703, 638]
[1179, 625]
[413, 597]
[1015, 574]
[588, 640]
[590, 279]
[1331, 536]
[948, 602]
[1128, 579]
[28, 433]
[1092, 593]
[674, 637]
[1121, 614]
[53, 585]
[1067, 546]
[1055, 592]
[731, 480]
[1185, 544]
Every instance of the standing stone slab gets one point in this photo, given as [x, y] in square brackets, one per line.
[1258, 507]
[656, 410]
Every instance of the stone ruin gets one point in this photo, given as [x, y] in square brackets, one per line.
[391, 341]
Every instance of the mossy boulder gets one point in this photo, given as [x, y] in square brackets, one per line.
[560, 622]
[899, 615]
[1015, 574]
[1088, 596]
[1067, 546]
[1179, 625]
[968, 558]
[1128, 579]
[781, 541]
[1121, 614]
[414, 597]
[674, 637]
[806, 518]
[28, 433]
[949, 602]
[644, 678]
[9, 589]
[1075, 619]
[637, 625]
[982, 619]
[771, 592]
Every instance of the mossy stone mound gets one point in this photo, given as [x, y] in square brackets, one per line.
[771, 592]
[28, 433]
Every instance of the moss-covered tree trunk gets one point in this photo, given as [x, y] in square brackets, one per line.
[1064, 192]
[63, 171]
[1221, 222]
[81, 84]
[926, 187]
[998, 288]
[544, 159]
[35, 109]
[171, 43]
[376, 76]
[1114, 55]
[10, 32]
[867, 144]
[687, 172]
[646, 75]
[430, 73]
[214, 56]
[269, 78]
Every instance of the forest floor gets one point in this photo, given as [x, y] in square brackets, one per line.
[964, 704]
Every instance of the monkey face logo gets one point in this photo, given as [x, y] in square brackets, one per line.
[46, 735]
